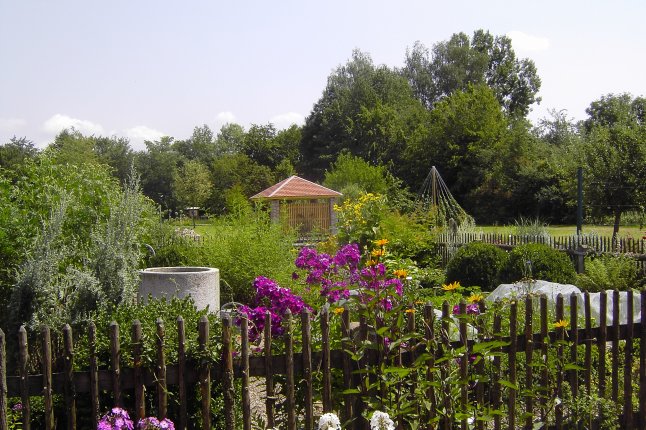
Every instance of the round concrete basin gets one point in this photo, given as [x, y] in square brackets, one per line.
[201, 283]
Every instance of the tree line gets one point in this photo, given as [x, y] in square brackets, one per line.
[461, 106]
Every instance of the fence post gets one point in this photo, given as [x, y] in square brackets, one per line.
[23, 359]
[464, 362]
[115, 356]
[227, 375]
[181, 370]
[628, 363]
[162, 391]
[269, 373]
[94, 375]
[327, 372]
[204, 372]
[47, 377]
[70, 389]
[529, 358]
[140, 407]
[642, 360]
[244, 355]
[4, 407]
[307, 369]
[289, 363]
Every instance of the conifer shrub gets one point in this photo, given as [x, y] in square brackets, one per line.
[476, 264]
[538, 261]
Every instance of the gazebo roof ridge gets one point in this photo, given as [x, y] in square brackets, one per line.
[295, 187]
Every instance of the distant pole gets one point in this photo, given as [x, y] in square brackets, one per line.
[579, 209]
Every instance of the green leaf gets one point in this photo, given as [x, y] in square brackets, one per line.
[508, 384]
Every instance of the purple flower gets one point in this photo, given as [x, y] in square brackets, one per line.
[17, 407]
[116, 419]
[471, 309]
[152, 423]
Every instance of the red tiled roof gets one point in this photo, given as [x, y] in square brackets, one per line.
[293, 187]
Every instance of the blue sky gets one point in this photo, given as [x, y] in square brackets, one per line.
[143, 69]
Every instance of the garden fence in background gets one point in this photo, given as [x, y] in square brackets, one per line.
[576, 247]
[601, 358]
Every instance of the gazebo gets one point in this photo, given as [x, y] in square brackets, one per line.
[306, 205]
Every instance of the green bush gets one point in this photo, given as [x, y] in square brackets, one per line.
[409, 237]
[242, 247]
[538, 261]
[609, 273]
[476, 264]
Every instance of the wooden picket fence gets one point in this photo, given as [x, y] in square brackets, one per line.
[572, 245]
[606, 346]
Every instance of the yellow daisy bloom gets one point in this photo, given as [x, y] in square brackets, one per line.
[377, 253]
[561, 324]
[452, 286]
[410, 311]
[400, 273]
[475, 298]
[381, 242]
[338, 311]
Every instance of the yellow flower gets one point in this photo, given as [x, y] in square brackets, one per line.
[419, 302]
[410, 311]
[400, 273]
[377, 253]
[475, 298]
[371, 263]
[452, 286]
[561, 324]
[338, 311]
[381, 242]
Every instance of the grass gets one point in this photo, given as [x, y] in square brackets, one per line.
[204, 227]
[568, 230]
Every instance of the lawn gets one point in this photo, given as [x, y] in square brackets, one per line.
[567, 230]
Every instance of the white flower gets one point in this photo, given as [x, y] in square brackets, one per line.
[329, 421]
[381, 421]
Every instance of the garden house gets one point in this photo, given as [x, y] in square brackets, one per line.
[307, 206]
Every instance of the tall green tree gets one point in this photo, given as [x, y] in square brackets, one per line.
[192, 184]
[615, 155]
[230, 139]
[366, 109]
[116, 153]
[157, 166]
[201, 146]
[15, 152]
[466, 141]
[240, 172]
[480, 59]
[72, 147]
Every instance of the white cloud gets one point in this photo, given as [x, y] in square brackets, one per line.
[285, 120]
[225, 118]
[141, 133]
[11, 124]
[59, 122]
[528, 43]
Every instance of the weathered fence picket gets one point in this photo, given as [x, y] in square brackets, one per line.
[507, 382]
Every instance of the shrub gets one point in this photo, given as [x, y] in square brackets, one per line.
[242, 247]
[608, 273]
[476, 264]
[538, 261]
[409, 237]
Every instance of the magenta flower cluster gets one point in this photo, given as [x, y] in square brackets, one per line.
[333, 275]
[472, 309]
[275, 299]
[152, 423]
[118, 419]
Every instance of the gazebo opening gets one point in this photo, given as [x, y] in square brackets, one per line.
[307, 206]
